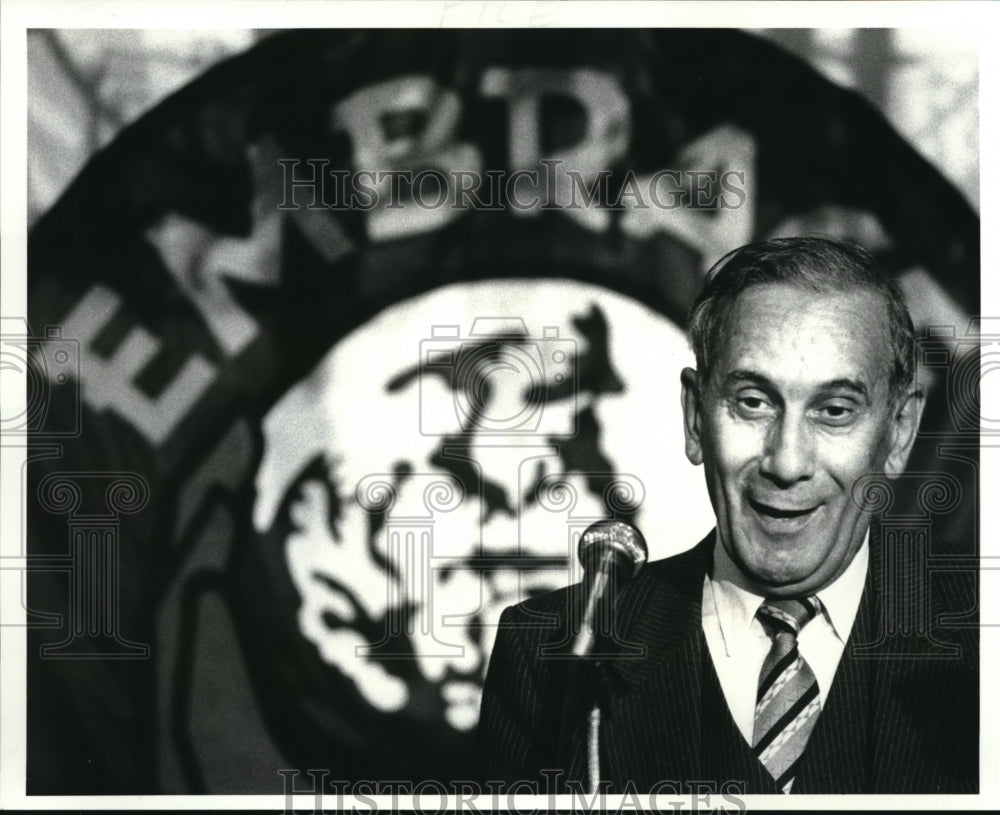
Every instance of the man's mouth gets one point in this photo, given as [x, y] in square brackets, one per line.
[782, 514]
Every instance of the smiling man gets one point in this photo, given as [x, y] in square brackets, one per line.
[804, 385]
[766, 663]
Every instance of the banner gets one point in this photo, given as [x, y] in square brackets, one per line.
[335, 353]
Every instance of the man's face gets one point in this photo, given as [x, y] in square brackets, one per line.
[796, 409]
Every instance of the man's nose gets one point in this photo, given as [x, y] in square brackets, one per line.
[789, 451]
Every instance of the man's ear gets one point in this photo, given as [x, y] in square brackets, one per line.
[904, 432]
[691, 405]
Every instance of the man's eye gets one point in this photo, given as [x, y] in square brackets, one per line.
[837, 413]
[753, 404]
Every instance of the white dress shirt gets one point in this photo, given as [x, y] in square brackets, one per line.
[738, 643]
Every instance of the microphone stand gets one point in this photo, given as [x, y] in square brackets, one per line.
[598, 668]
[611, 552]
[587, 676]
[594, 749]
[582, 711]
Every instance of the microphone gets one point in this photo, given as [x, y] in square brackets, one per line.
[612, 553]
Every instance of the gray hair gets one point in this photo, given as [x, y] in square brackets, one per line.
[820, 264]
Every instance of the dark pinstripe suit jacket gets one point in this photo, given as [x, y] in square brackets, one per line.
[902, 714]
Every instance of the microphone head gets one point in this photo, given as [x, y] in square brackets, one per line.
[621, 538]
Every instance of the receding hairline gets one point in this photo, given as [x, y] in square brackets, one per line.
[860, 292]
[818, 265]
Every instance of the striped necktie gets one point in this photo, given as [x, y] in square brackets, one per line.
[787, 694]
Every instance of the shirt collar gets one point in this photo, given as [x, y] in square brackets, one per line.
[736, 605]
[843, 596]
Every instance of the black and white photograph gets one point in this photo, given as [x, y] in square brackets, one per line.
[442, 406]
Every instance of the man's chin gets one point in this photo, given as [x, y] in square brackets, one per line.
[785, 574]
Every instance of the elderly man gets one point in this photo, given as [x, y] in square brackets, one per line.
[764, 660]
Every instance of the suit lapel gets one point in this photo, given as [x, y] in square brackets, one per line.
[895, 732]
[924, 696]
[837, 758]
[652, 723]
[873, 734]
